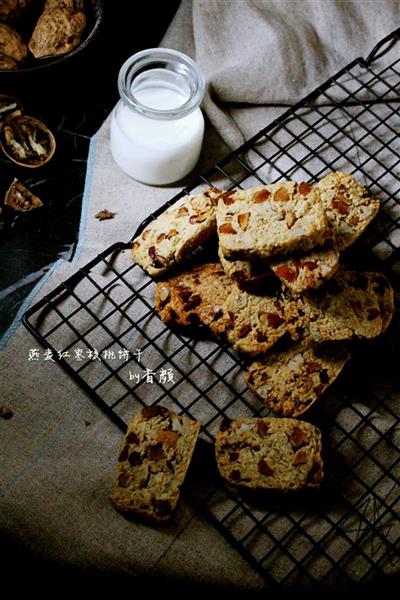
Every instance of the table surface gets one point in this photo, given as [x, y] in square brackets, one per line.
[73, 101]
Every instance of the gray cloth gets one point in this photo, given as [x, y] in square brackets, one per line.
[57, 453]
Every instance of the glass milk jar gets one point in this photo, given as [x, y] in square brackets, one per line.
[157, 126]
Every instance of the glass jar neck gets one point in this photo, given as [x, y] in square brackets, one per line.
[161, 84]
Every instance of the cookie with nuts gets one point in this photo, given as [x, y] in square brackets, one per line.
[257, 321]
[381, 286]
[269, 453]
[348, 205]
[344, 308]
[268, 220]
[153, 461]
[247, 274]
[290, 379]
[195, 298]
[301, 272]
[181, 228]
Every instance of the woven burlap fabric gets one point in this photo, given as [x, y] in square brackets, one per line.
[57, 453]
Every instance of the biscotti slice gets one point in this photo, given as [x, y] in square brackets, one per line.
[181, 228]
[271, 219]
[153, 462]
[257, 322]
[269, 453]
[385, 295]
[344, 308]
[247, 274]
[310, 270]
[291, 379]
[195, 298]
[348, 206]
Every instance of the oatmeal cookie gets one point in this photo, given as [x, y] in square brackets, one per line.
[273, 219]
[153, 462]
[290, 379]
[348, 206]
[195, 298]
[182, 227]
[269, 453]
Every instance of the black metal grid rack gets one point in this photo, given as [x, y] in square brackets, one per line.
[349, 531]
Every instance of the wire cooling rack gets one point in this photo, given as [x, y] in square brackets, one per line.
[349, 530]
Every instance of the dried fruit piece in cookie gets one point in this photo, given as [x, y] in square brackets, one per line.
[382, 288]
[257, 322]
[153, 461]
[11, 43]
[27, 141]
[340, 310]
[181, 228]
[269, 220]
[269, 453]
[59, 29]
[20, 198]
[348, 205]
[305, 271]
[290, 379]
[195, 298]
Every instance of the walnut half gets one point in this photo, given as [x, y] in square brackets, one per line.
[27, 141]
[20, 198]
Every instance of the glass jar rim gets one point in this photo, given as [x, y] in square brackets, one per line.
[138, 62]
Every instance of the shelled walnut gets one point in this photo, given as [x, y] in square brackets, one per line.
[27, 141]
[9, 106]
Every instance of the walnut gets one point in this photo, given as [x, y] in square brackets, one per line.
[11, 43]
[12, 9]
[9, 106]
[7, 63]
[20, 198]
[27, 141]
[59, 29]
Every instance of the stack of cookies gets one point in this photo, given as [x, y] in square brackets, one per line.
[277, 293]
[278, 280]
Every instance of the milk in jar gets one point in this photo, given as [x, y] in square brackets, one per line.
[157, 126]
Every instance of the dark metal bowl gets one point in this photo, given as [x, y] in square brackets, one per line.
[94, 13]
